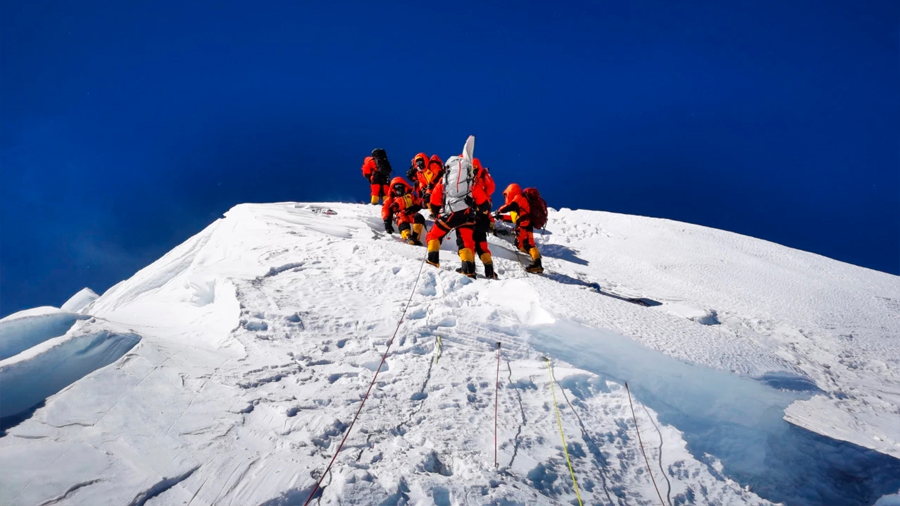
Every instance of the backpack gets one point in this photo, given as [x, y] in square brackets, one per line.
[538, 207]
[458, 180]
[383, 166]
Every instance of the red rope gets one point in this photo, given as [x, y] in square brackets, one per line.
[496, 401]
[361, 404]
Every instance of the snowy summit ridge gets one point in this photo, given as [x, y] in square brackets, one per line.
[227, 371]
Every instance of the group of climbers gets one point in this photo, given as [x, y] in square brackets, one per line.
[457, 195]
[425, 173]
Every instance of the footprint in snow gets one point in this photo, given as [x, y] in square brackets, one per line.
[373, 365]
[416, 314]
[447, 321]
[256, 325]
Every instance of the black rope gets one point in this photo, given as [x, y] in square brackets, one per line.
[587, 439]
[669, 489]
[646, 460]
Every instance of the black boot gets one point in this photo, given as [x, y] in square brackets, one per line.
[468, 268]
[489, 271]
[535, 267]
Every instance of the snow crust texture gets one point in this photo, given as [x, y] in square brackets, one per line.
[237, 361]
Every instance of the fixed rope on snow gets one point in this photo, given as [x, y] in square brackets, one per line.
[438, 347]
[496, 404]
[363, 402]
[561, 434]
[646, 460]
[661, 469]
[589, 441]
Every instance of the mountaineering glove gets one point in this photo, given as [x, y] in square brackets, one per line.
[496, 215]
[388, 226]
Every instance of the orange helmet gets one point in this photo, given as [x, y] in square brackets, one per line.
[511, 191]
[399, 186]
[420, 157]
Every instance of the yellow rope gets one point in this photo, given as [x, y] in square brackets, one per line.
[563, 436]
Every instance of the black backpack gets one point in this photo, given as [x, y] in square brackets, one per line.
[383, 166]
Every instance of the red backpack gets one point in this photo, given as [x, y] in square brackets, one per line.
[538, 207]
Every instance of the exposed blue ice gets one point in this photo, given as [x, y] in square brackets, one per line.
[29, 382]
[20, 334]
[737, 420]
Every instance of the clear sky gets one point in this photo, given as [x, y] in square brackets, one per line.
[126, 127]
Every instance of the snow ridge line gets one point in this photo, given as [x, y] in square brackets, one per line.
[375, 377]
[636, 429]
[592, 445]
[67, 493]
[160, 487]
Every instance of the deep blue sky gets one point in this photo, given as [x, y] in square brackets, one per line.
[126, 128]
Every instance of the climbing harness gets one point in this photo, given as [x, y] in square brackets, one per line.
[561, 434]
[646, 460]
[363, 402]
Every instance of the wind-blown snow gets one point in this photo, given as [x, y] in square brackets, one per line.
[258, 336]
[35, 311]
[79, 301]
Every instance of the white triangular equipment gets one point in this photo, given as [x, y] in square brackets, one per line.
[458, 179]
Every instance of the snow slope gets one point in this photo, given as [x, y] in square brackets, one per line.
[80, 300]
[254, 341]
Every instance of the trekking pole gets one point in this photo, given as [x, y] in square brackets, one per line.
[496, 403]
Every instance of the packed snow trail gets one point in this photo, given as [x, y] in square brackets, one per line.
[362, 403]
[258, 337]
